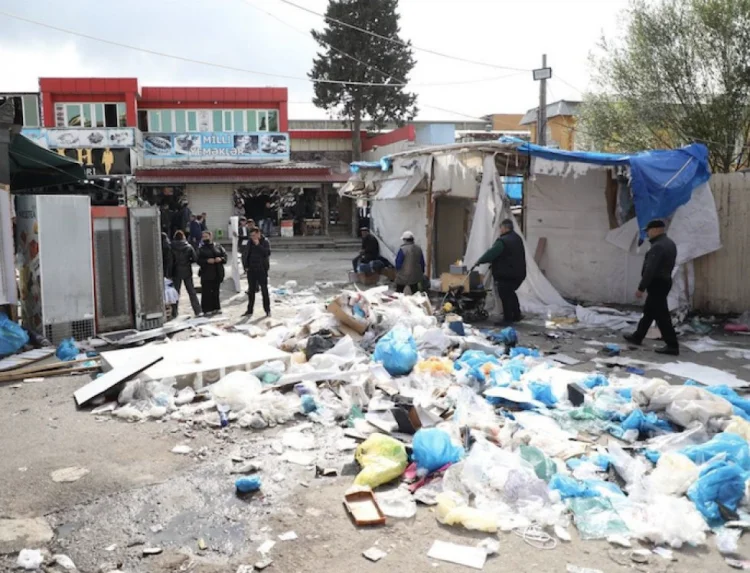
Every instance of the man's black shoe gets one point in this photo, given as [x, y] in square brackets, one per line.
[632, 339]
[668, 350]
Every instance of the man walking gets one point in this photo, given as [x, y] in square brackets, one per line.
[656, 281]
[194, 231]
[508, 260]
[184, 256]
[409, 264]
[211, 259]
[243, 238]
[256, 262]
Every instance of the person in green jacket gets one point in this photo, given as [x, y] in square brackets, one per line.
[507, 258]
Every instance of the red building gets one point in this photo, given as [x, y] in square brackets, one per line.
[224, 150]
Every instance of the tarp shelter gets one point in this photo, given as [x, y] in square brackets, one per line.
[587, 207]
[32, 166]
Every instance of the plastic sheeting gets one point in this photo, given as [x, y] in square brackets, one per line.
[536, 294]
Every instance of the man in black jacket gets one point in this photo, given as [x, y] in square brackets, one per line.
[166, 256]
[184, 256]
[211, 259]
[370, 249]
[243, 238]
[256, 262]
[656, 280]
[507, 257]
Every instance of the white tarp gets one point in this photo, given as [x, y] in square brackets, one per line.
[391, 218]
[536, 295]
[398, 187]
[456, 173]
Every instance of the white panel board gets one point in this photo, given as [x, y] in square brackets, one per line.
[65, 255]
[8, 291]
[391, 218]
[198, 361]
[215, 201]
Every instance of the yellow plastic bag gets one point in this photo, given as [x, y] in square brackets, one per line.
[452, 510]
[435, 366]
[382, 458]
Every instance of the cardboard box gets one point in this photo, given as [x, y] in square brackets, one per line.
[358, 325]
[368, 279]
[448, 281]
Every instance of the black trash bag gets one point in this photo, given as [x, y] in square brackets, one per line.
[318, 344]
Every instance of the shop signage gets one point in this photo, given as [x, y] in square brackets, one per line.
[218, 145]
[101, 161]
[101, 138]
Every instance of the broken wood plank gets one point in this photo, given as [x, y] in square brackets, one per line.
[37, 371]
[25, 358]
[115, 376]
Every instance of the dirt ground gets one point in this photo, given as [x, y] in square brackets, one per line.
[139, 494]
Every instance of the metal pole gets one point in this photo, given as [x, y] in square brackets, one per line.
[541, 124]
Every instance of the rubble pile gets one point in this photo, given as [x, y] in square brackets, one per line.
[496, 436]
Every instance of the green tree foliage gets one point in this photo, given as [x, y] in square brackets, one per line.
[351, 55]
[680, 74]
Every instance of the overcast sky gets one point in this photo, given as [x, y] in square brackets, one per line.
[241, 33]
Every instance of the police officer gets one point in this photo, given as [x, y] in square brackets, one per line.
[656, 282]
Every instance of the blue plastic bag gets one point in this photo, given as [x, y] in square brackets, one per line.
[472, 361]
[67, 350]
[247, 484]
[719, 483]
[433, 449]
[734, 449]
[645, 423]
[12, 337]
[397, 351]
[523, 351]
[571, 487]
[595, 380]
[740, 403]
[543, 393]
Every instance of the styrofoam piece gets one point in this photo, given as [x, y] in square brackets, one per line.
[203, 359]
[120, 373]
[705, 375]
[474, 557]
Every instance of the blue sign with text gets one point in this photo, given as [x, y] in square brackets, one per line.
[219, 145]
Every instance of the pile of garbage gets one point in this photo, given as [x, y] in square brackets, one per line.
[496, 435]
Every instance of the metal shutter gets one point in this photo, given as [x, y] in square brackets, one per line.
[111, 274]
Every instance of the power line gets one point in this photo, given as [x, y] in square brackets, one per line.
[200, 62]
[401, 43]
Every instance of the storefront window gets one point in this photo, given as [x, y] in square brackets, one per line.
[252, 123]
[192, 121]
[166, 121]
[228, 121]
[273, 121]
[87, 115]
[122, 115]
[239, 120]
[99, 114]
[154, 121]
[262, 121]
[180, 124]
[74, 115]
[218, 123]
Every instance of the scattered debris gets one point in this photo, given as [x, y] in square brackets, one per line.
[182, 449]
[288, 536]
[152, 550]
[68, 475]
[263, 564]
[374, 554]
[29, 559]
[266, 547]
[474, 557]
[64, 561]
[363, 507]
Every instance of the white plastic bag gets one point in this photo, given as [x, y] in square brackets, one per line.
[673, 475]
[238, 390]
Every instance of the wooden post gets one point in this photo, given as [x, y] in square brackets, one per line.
[430, 219]
[355, 218]
[324, 209]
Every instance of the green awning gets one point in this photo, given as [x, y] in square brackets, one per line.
[33, 166]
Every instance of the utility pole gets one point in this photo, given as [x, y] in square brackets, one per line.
[542, 75]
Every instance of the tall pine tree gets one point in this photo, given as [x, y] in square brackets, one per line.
[380, 61]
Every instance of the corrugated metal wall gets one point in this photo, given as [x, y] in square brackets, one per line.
[721, 278]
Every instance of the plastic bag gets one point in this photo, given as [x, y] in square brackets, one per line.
[452, 509]
[570, 487]
[67, 350]
[738, 426]
[171, 296]
[238, 390]
[397, 503]
[382, 458]
[674, 474]
[544, 468]
[543, 393]
[397, 351]
[317, 345]
[596, 518]
[435, 366]
[12, 336]
[433, 449]
[720, 483]
[270, 372]
[664, 520]
[644, 424]
[595, 380]
[731, 447]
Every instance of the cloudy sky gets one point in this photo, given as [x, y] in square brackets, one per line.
[269, 36]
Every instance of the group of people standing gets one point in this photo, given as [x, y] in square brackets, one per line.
[179, 256]
[410, 265]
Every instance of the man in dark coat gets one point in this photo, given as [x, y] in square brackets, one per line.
[211, 259]
[243, 238]
[507, 257]
[256, 262]
[370, 250]
[166, 256]
[184, 256]
[195, 232]
[656, 281]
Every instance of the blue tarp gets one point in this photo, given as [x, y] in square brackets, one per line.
[513, 187]
[661, 180]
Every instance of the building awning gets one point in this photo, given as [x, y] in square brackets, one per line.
[217, 173]
[32, 166]
[398, 187]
